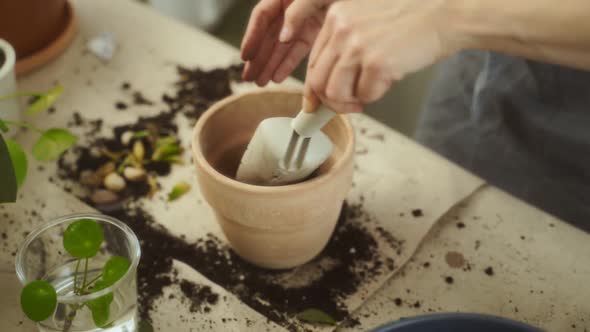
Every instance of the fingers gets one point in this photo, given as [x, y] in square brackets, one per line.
[300, 48]
[343, 80]
[255, 66]
[297, 52]
[373, 82]
[320, 42]
[296, 15]
[263, 15]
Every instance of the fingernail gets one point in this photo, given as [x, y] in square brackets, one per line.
[285, 35]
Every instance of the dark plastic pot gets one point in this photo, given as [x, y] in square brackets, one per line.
[455, 322]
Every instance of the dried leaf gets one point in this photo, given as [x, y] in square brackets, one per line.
[178, 190]
[115, 156]
[316, 316]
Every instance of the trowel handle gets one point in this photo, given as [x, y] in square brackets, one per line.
[306, 124]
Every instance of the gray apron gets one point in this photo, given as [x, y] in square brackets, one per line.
[521, 125]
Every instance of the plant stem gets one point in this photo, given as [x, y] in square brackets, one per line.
[76, 290]
[70, 317]
[91, 282]
[85, 273]
[19, 94]
[25, 125]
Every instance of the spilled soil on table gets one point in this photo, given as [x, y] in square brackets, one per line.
[350, 258]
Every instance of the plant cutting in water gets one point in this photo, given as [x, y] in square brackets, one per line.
[49, 146]
[82, 239]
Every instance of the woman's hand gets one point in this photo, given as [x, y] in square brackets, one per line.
[295, 22]
[366, 45]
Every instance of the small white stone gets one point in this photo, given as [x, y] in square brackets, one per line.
[114, 182]
[352, 250]
[102, 196]
[126, 137]
[134, 174]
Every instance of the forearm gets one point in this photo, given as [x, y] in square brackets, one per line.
[545, 30]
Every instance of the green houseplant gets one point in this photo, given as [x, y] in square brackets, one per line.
[49, 146]
[89, 286]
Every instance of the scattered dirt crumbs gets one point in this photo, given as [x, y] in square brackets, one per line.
[455, 259]
[201, 297]
[350, 258]
[417, 213]
[278, 295]
[489, 271]
[460, 225]
[449, 280]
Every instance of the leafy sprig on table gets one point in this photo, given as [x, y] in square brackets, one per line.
[82, 239]
[49, 146]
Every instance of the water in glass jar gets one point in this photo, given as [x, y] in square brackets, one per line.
[122, 310]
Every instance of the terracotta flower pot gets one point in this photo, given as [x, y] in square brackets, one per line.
[39, 30]
[272, 227]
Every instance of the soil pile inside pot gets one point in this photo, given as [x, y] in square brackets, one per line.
[350, 259]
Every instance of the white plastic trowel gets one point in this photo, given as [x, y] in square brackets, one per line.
[286, 150]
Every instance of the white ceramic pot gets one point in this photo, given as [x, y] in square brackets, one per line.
[204, 14]
[9, 109]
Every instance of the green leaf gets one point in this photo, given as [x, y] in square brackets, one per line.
[165, 141]
[3, 126]
[140, 134]
[100, 307]
[82, 238]
[9, 187]
[114, 269]
[316, 316]
[45, 100]
[145, 326]
[53, 143]
[38, 300]
[19, 161]
[167, 149]
[178, 190]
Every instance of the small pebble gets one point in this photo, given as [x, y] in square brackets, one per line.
[138, 151]
[102, 196]
[95, 152]
[114, 182]
[90, 178]
[126, 137]
[134, 174]
[106, 169]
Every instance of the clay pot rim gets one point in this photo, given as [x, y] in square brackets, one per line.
[250, 188]
[9, 58]
[53, 49]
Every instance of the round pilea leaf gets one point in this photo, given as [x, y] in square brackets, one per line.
[82, 238]
[38, 300]
[114, 269]
[100, 307]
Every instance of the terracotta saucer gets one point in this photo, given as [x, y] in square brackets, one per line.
[52, 50]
